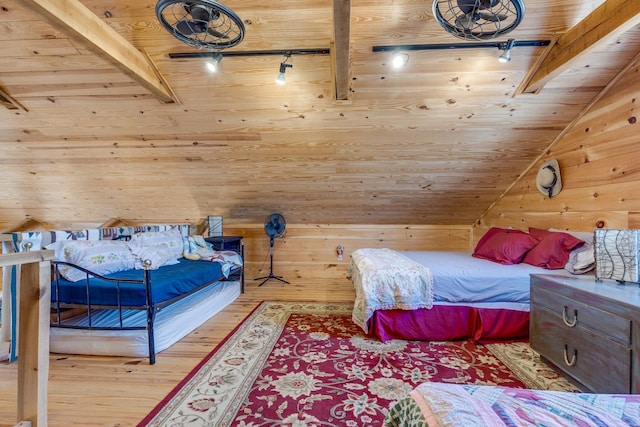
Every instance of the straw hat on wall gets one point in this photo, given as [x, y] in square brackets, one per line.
[548, 179]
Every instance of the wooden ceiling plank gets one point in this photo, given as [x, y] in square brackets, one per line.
[79, 23]
[341, 34]
[609, 20]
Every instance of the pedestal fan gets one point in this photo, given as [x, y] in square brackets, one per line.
[274, 226]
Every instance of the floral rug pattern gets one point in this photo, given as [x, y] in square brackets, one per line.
[308, 364]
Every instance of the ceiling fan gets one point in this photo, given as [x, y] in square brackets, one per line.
[478, 19]
[274, 227]
[204, 24]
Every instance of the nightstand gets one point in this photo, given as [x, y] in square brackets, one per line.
[588, 329]
[226, 243]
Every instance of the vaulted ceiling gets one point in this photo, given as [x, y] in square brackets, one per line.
[100, 122]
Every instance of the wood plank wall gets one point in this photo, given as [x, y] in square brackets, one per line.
[308, 251]
[598, 157]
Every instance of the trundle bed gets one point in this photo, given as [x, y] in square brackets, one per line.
[106, 303]
[439, 296]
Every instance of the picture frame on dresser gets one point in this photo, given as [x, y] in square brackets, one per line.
[617, 255]
[214, 224]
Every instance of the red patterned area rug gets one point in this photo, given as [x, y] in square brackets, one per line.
[308, 364]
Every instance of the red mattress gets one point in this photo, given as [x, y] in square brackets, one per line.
[450, 322]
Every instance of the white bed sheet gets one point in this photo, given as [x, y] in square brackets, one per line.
[171, 325]
[517, 306]
[459, 277]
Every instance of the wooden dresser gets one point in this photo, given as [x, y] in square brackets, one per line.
[588, 329]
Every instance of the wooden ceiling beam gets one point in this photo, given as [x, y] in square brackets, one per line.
[609, 20]
[340, 54]
[80, 24]
[9, 102]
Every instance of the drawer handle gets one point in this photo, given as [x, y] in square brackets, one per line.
[573, 359]
[570, 323]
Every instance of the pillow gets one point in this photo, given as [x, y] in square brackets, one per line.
[58, 249]
[504, 246]
[99, 256]
[159, 255]
[552, 252]
[171, 238]
[582, 259]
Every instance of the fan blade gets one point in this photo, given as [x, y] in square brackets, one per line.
[274, 225]
[190, 27]
[200, 13]
[467, 6]
[217, 34]
[472, 6]
[492, 17]
[465, 22]
[202, 17]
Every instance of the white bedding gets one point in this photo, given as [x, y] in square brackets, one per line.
[459, 277]
[171, 324]
[384, 279]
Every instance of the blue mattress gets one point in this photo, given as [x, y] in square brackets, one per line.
[167, 282]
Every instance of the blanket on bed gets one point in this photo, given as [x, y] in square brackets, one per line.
[385, 279]
[441, 405]
[196, 248]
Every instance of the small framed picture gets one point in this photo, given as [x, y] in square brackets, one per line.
[215, 225]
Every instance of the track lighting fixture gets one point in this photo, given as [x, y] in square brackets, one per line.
[245, 53]
[283, 68]
[214, 63]
[506, 56]
[506, 46]
[400, 59]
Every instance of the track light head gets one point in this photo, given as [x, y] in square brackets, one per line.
[400, 59]
[214, 64]
[506, 56]
[283, 68]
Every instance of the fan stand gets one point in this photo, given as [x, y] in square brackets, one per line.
[271, 275]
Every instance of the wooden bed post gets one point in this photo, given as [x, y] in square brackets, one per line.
[34, 299]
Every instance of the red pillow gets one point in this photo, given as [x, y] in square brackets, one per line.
[553, 250]
[504, 246]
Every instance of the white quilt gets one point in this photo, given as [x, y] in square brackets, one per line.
[385, 279]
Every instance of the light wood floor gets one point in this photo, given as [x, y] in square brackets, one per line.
[89, 391]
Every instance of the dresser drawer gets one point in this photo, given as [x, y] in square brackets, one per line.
[571, 312]
[602, 365]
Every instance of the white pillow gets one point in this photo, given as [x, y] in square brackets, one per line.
[171, 238]
[581, 260]
[57, 247]
[99, 256]
[582, 235]
[159, 255]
